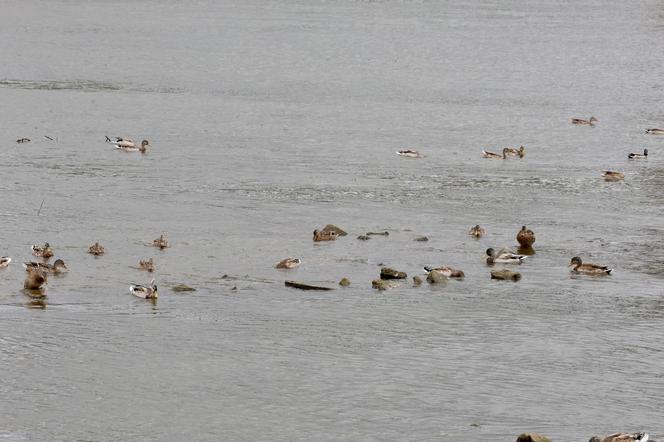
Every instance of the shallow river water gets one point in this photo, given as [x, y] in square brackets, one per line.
[269, 119]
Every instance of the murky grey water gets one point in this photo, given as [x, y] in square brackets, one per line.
[270, 119]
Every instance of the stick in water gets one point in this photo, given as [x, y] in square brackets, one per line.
[40, 207]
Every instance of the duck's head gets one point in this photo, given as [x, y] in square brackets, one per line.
[522, 151]
[145, 143]
[60, 265]
[593, 119]
[645, 152]
[576, 261]
[46, 245]
[490, 251]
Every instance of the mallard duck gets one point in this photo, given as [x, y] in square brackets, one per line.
[320, 235]
[590, 122]
[127, 145]
[622, 437]
[525, 237]
[147, 265]
[513, 152]
[589, 269]
[638, 156]
[477, 231]
[446, 271]
[410, 153]
[44, 251]
[96, 249]
[655, 131]
[4, 261]
[504, 256]
[57, 267]
[145, 292]
[288, 263]
[613, 176]
[495, 156]
[161, 242]
[35, 279]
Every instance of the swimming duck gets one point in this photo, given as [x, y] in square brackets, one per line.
[446, 271]
[487, 154]
[35, 279]
[638, 156]
[589, 122]
[613, 176]
[96, 249]
[505, 256]
[130, 146]
[145, 292]
[44, 251]
[320, 235]
[4, 261]
[477, 231]
[655, 131]
[589, 269]
[622, 437]
[512, 152]
[57, 267]
[147, 265]
[525, 237]
[23, 140]
[288, 263]
[410, 153]
[161, 242]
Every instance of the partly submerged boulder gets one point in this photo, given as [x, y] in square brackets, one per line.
[335, 229]
[505, 275]
[388, 273]
[381, 284]
[435, 277]
[532, 437]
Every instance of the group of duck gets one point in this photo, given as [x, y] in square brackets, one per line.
[37, 272]
[512, 152]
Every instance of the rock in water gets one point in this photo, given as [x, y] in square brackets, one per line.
[505, 275]
[388, 273]
[364, 238]
[381, 284]
[183, 288]
[417, 281]
[335, 229]
[421, 238]
[345, 282]
[435, 277]
[532, 437]
[303, 286]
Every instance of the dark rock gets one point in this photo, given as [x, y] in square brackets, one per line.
[303, 286]
[345, 282]
[532, 437]
[388, 273]
[364, 238]
[183, 288]
[417, 281]
[421, 238]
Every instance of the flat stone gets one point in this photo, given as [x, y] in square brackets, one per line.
[505, 275]
[182, 288]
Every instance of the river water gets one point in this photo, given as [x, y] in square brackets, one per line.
[269, 119]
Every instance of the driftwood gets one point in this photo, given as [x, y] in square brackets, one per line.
[303, 286]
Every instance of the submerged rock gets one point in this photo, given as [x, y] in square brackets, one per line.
[303, 286]
[505, 275]
[335, 229]
[364, 238]
[421, 238]
[417, 281]
[388, 273]
[183, 288]
[532, 437]
[435, 277]
[381, 284]
[345, 282]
